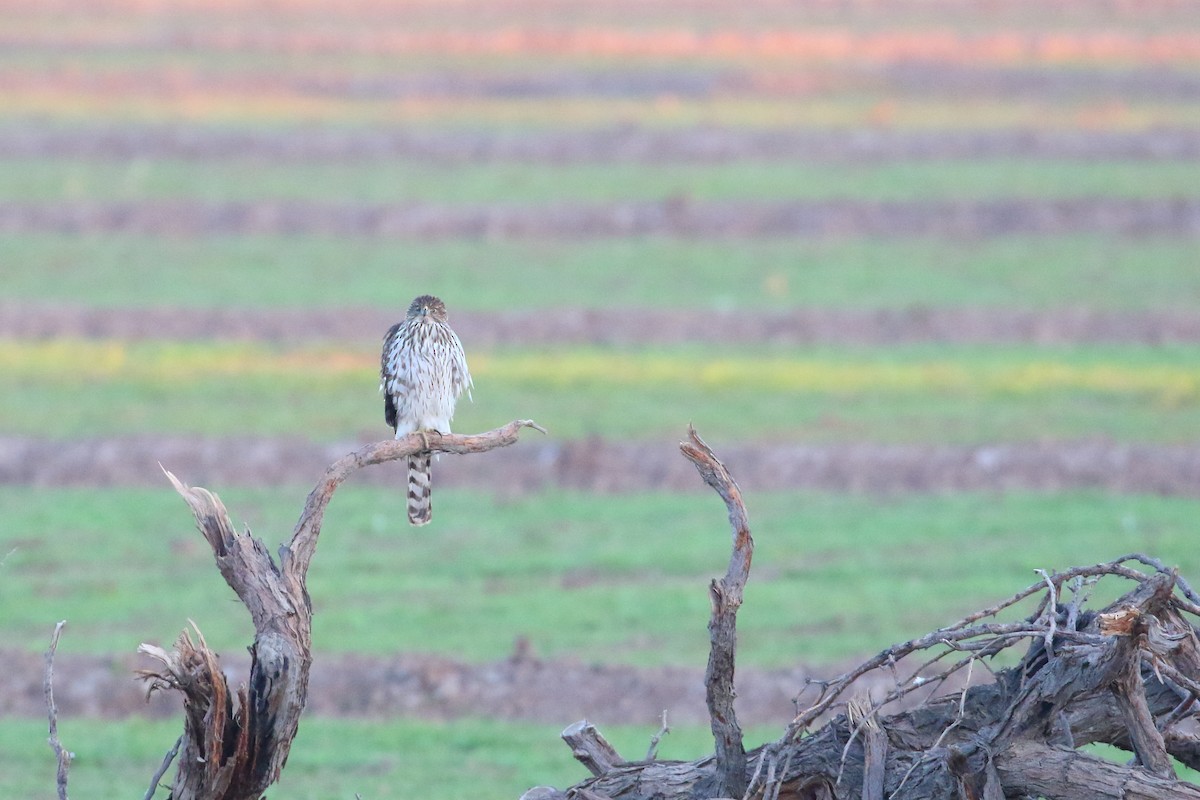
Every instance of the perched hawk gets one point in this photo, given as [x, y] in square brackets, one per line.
[422, 372]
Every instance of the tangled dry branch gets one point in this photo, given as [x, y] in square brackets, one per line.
[954, 724]
[997, 704]
[236, 741]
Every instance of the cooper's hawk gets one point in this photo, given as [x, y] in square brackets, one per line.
[422, 372]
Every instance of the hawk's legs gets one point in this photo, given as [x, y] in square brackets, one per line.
[424, 434]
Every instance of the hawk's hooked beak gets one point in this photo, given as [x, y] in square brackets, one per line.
[424, 311]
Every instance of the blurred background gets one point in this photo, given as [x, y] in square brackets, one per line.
[925, 273]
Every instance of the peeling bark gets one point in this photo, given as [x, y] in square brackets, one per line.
[1126, 675]
[236, 741]
[726, 598]
[590, 748]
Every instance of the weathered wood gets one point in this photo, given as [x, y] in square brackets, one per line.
[1183, 746]
[235, 743]
[726, 598]
[997, 739]
[590, 748]
[588, 794]
[662, 779]
[543, 793]
[1144, 736]
[61, 755]
[1029, 768]
[989, 741]
[977, 744]
[875, 751]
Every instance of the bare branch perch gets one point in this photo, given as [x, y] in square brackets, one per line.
[295, 557]
[726, 598]
[63, 756]
[236, 743]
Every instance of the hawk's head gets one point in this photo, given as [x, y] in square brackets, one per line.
[429, 307]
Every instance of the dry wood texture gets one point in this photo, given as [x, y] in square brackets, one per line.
[1006, 737]
[61, 754]
[725, 595]
[590, 748]
[1127, 675]
[236, 742]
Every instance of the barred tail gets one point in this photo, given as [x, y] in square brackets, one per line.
[420, 500]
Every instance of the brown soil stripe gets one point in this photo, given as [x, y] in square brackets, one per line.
[605, 466]
[670, 217]
[616, 145]
[522, 687]
[799, 326]
[693, 82]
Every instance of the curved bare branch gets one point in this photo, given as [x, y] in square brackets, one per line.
[236, 743]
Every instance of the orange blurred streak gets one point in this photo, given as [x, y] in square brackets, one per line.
[795, 45]
[242, 106]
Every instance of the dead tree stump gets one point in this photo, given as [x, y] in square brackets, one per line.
[236, 742]
[1126, 675]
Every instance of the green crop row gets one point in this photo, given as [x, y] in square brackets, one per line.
[335, 758]
[339, 758]
[598, 578]
[1078, 271]
[401, 181]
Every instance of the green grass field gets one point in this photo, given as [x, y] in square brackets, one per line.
[580, 575]
[339, 758]
[394, 181]
[614, 579]
[1078, 271]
